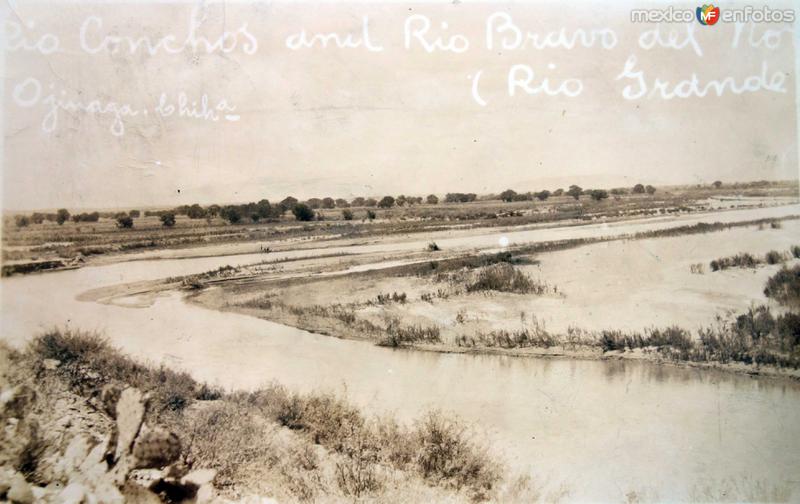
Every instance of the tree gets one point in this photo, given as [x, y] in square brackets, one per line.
[575, 191]
[619, 191]
[303, 212]
[328, 203]
[134, 214]
[432, 199]
[255, 217]
[400, 201]
[342, 203]
[386, 202]
[233, 214]
[370, 202]
[558, 192]
[168, 219]
[37, 217]
[508, 195]
[543, 195]
[287, 203]
[357, 202]
[598, 194]
[650, 190]
[347, 214]
[263, 209]
[62, 216]
[195, 212]
[213, 210]
[124, 222]
[22, 221]
[717, 184]
[638, 189]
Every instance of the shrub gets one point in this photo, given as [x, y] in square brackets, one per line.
[447, 455]
[303, 212]
[433, 247]
[504, 277]
[233, 215]
[787, 327]
[650, 190]
[784, 286]
[775, 225]
[124, 222]
[347, 214]
[638, 189]
[598, 194]
[795, 250]
[371, 215]
[62, 216]
[386, 202]
[134, 214]
[22, 221]
[508, 195]
[168, 219]
[741, 260]
[774, 257]
[432, 199]
[575, 191]
[88, 363]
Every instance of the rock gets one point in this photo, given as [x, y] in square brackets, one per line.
[20, 491]
[15, 401]
[130, 413]
[74, 455]
[199, 477]
[74, 493]
[5, 482]
[51, 364]
[156, 448]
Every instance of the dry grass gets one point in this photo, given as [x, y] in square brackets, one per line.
[274, 442]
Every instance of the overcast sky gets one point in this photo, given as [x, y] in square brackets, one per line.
[349, 122]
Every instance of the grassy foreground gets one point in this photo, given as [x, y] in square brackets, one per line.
[269, 442]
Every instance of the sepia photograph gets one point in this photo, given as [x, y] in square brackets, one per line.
[388, 251]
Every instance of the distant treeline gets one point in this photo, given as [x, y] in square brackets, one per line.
[307, 210]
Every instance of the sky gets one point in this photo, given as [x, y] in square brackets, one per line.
[404, 114]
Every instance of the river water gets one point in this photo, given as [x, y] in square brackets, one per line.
[600, 429]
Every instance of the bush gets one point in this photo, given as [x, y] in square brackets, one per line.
[774, 257]
[303, 212]
[598, 194]
[742, 260]
[22, 221]
[638, 189]
[134, 214]
[168, 219]
[784, 286]
[433, 247]
[124, 222]
[386, 202]
[795, 250]
[575, 191]
[371, 215]
[62, 216]
[504, 277]
[88, 363]
[446, 455]
[347, 214]
[432, 199]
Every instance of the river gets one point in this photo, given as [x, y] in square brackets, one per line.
[601, 429]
